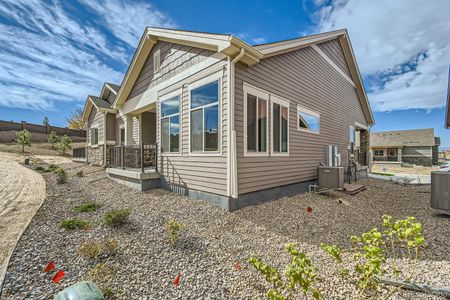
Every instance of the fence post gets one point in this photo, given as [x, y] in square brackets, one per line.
[142, 157]
[122, 150]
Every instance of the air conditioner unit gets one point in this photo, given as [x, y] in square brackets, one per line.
[440, 191]
[331, 177]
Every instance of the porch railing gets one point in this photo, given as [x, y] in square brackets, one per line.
[79, 153]
[134, 157]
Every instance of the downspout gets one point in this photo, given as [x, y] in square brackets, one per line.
[104, 138]
[232, 151]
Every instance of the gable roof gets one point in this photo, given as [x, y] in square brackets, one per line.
[231, 46]
[99, 104]
[109, 88]
[401, 138]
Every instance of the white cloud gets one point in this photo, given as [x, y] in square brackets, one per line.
[127, 20]
[386, 34]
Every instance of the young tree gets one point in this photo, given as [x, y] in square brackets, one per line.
[65, 144]
[23, 139]
[75, 119]
[53, 138]
[45, 122]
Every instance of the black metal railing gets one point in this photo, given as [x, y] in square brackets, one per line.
[135, 157]
[79, 152]
[385, 158]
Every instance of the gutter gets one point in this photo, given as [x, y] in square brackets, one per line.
[232, 151]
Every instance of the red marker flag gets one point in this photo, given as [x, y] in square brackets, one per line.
[309, 209]
[177, 280]
[58, 276]
[237, 266]
[49, 267]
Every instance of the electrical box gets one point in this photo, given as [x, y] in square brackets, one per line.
[440, 191]
[331, 177]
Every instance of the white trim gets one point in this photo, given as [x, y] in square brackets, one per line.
[196, 84]
[324, 56]
[309, 112]
[263, 95]
[177, 93]
[360, 125]
[284, 103]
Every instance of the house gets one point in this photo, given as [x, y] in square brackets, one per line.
[447, 111]
[212, 117]
[418, 146]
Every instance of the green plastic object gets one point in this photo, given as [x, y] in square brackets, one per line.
[84, 290]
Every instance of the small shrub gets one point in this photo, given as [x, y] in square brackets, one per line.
[52, 168]
[108, 293]
[87, 207]
[173, 230]
[80, 173]
[99, 272]
[72, 224]
[116, 217]
[39, 168]
[53, 138]
[93, 249]
[23, 138]
[64, 144]
[61, 176]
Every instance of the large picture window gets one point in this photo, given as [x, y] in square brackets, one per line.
[205, 118]
[308, 120]
[280, 126]
[170, 125]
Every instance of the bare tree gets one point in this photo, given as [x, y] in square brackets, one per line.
[75, 119]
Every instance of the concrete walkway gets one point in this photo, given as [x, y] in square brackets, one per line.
[409, 178]
[22, 192]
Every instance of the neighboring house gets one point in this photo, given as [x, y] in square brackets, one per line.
[418, 146]
[447, 111]
[212, 117]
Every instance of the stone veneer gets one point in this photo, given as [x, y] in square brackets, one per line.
[417, 160]
[95, 155]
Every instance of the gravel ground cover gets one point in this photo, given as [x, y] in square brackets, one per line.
[214, 241]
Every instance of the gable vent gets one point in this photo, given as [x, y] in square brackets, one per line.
[157, 61]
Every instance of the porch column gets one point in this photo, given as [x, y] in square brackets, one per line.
[399, 154]
[128, 130]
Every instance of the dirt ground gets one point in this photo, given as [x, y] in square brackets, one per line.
[37, 149]
[386, 168]
[22, 192]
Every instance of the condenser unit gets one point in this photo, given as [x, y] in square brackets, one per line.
[440, 191]
[331, 177]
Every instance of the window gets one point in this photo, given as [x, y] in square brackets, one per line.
[122, 136]
[280, 126]
[170, 125]
[256, 112]
[94, 136]
[352, 139]
[205, 118]
[378, 152]
[308, 120]
[157, 61]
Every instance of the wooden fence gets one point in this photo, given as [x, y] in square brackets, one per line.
[14, 126]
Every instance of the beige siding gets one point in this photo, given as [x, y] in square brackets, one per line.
[149, 127]
[203, 173]
[302, 77]
[111, 127]
[94, 118]
[174, 59]
[334, 51]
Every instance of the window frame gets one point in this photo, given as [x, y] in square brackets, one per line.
[283, 103]
[179, 93]
[95, 127]
[376, 150]
[198, 84]
[352, 130]
[301, 108]
[258, 93]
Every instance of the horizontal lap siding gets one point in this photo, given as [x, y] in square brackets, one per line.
[302, 77]
[149, 127]
[94, 118]
[334, 51]
[110, 97]
[417, 150]
[174, 59]
[135, 128]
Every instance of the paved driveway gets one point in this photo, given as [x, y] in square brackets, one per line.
[22, 192]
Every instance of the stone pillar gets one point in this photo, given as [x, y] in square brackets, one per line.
[364, 145]
[399, 154]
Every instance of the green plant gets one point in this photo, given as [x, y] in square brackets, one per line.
[173, 230]
[72, 224]
[93, 249]
[52, 139]
[39, 168]
[61, 176]
[99, 272]
[23, 138]
[300, 276]
[87, 207]
[79, 173]
[64, 144]
[399, 239]
[45, 121]
[52, 168]
[116, 217]
[108, 293]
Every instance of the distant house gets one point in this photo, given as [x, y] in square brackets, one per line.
[418, 146]
[447, 112]
[215, 118]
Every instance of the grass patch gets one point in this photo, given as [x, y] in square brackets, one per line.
[53, 168]
[383, 174]
[73, 224]
[87, 207]
[116, 217]
[93, 249]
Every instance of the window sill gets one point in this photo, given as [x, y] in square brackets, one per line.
[94, 146]
[194, 154]
[279, 154]
[170, 154]
[309, 131]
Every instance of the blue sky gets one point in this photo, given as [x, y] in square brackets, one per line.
[54, 53]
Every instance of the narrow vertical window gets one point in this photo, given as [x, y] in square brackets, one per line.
[205, 118]
[122, 136]
[352, 139]
[280, 126]
[94, 136]
[170, 125]
[256, 124]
